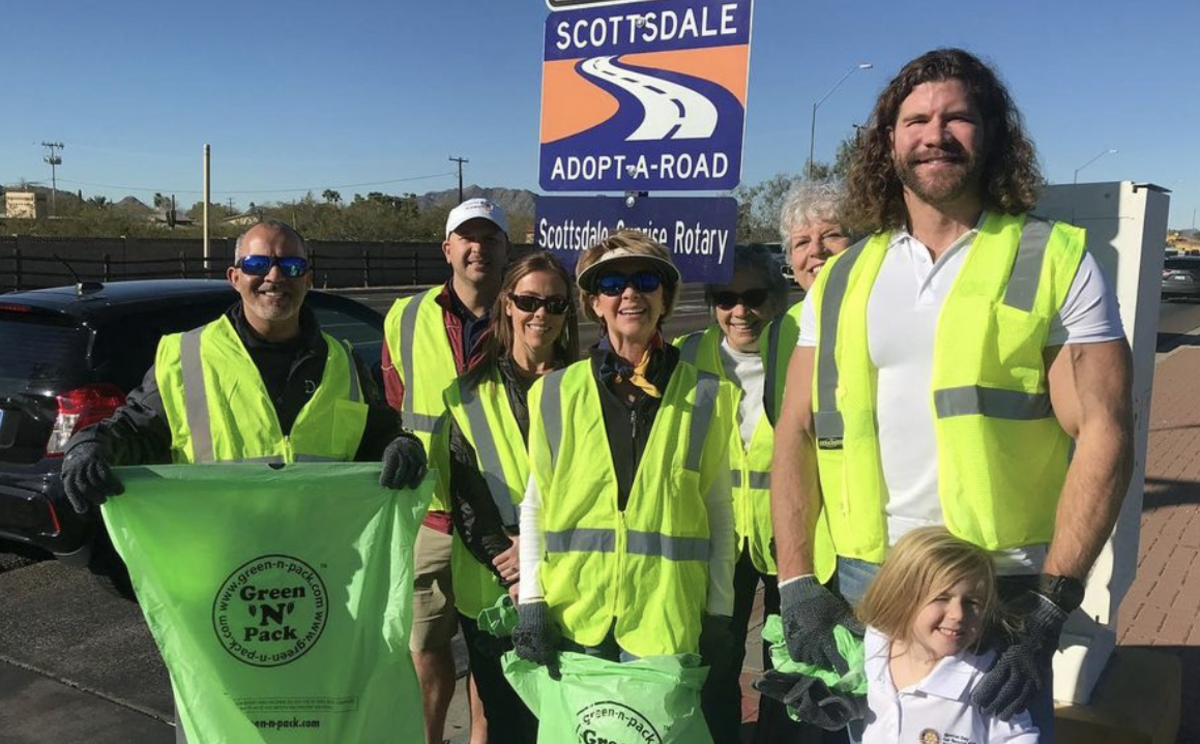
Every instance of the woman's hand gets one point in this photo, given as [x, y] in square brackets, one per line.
[508, 563]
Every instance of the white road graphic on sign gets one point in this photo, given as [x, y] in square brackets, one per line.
[672, 111]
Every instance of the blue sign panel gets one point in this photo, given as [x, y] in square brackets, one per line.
[647, 96]
[699, 232]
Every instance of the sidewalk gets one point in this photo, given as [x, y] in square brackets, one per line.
[1161, 607]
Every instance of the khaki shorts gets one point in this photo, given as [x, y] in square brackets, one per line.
[435, 621]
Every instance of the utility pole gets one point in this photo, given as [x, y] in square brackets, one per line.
[55, 160]
[460, 162]
[231, 206]
[207, 197]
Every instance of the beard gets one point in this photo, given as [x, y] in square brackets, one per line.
[947, 186]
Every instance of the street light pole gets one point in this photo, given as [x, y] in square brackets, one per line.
[1101, 154]
[812, 132]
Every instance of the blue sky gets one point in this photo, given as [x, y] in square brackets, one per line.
[307, 94]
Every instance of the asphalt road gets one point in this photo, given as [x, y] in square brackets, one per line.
[78, 665]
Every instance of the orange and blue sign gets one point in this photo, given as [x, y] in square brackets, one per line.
[645, 96]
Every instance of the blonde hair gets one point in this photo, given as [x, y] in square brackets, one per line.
[923, 564]
[633, 241]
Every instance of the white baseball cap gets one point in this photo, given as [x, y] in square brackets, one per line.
[478, 208]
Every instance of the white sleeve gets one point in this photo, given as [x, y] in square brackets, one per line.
[530, 550]
[1017, 730]
[723, 545]
[808, 325]
[1090, 314]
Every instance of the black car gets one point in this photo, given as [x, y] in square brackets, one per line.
[68, 356]
[1181, 277]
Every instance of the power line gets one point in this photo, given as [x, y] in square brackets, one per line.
[161, 189]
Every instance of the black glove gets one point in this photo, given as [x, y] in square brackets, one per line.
[809, 612]
[536, 637]
[716, 641]
[403, 463]
[87, 477]
[812, 700]
[1025, 664]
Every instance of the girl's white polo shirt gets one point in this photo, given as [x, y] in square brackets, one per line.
[938, 709]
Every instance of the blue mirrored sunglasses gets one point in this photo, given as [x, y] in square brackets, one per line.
[290, 266]
[613, 285]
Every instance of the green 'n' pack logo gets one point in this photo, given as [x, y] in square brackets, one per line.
[270, 611]
[614, 723]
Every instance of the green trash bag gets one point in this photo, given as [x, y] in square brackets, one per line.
[849, 645]
[653, 700]
[499, 619]
[280, 599]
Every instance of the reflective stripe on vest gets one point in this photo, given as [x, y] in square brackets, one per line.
[771, 376]
[493, 472]
[827, 419]
[690, 348]
[758, 479]
[408, 330]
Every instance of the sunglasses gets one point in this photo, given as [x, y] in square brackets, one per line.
[613, 285]
[291, 267]
[750, 299]
[531, 304]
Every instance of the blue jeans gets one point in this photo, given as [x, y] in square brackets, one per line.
[607, 650]
[854, 576]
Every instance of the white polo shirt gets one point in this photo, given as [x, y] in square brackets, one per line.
[902, 315]
[938, 709]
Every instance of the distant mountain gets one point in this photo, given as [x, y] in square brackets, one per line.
[514, 201]
[134, 205]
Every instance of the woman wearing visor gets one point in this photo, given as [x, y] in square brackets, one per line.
[627, 526]
[482, 455]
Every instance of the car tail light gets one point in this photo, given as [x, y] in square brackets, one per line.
[82, 407]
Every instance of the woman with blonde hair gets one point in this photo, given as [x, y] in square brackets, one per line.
[627, 538]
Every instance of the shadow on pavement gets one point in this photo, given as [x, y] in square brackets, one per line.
[1162, 492]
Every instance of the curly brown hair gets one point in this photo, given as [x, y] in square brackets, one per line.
[1011, 177]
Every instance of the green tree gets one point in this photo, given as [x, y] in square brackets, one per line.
[331, 196]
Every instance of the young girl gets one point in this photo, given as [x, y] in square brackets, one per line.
[927, 611]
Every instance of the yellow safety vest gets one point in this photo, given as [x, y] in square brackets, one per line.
[750, 467]
[487, 422]
[219, 410]
[1002, 456]
[415, 332]
[644, 568]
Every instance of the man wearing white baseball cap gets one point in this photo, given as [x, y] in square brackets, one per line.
[431, 339]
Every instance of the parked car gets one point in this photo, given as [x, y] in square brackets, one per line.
[1181, 278]
[70, 355]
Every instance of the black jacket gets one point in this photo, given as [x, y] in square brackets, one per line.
[476, 518]
[628, 424]
[138, 433]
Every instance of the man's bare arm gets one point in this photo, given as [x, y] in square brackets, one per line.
[795, 492]
[1090, 388]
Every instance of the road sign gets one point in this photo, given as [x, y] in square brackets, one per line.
[698, 231]
[572, 4]
[649, 96]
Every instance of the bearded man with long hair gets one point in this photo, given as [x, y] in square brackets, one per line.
[947, 367]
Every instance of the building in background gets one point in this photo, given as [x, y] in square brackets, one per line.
[24, 205]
